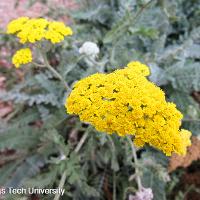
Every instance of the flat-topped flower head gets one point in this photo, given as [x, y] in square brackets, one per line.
[126, 102]
[15, 25]
[21, 57]
[37, 29]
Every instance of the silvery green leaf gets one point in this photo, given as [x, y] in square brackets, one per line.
[157, 75]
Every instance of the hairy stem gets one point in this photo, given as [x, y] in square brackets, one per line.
[38, 65]
[138, 179]
[81, 142]
[142, 9]
[64, 175]
[114, 186]
[54, 71]
[61, 184]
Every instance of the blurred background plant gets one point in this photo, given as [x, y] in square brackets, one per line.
[39, 141]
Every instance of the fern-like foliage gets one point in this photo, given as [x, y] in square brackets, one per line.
[37, 143]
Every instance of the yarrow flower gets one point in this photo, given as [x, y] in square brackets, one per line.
[36, 29]
[126, 102]
[89, 48]
[143, 194]
[22, 56]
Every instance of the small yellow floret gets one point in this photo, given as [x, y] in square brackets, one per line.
[56, 32]
[37, 29]
[16, 25]
[22, 56]
[126, 102]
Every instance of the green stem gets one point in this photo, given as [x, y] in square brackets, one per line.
[38, 65]
[46, 62]
[98, 65]
[64, 175]
[138, 179]
[142, 9]
[81, 142]
[114, 175]
[61, 184]
[114, 186]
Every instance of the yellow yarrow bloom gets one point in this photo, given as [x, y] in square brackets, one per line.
[22, 56]
[15, 25]
[126, 102]
[37, 29]
[56, 32]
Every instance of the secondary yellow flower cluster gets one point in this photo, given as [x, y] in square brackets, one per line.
[35, 29]
[125, 102]
[22, 56]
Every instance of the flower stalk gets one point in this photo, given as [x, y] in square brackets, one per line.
[46, 63]
[137, 173]
[64, 175]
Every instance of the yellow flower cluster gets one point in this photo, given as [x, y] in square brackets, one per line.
[36, 29]
[22, 56]
[125, 102]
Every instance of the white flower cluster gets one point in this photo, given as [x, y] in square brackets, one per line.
[90, 49]
[143, 194]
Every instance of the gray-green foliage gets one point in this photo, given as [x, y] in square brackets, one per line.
[163, 34]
